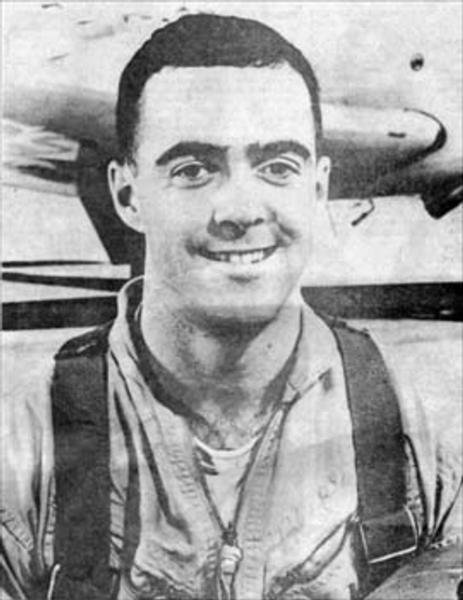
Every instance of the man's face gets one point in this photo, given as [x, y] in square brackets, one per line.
[224, 187]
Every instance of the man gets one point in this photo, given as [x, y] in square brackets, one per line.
[232, 468]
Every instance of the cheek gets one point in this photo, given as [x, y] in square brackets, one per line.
[171, 228]
[168, 212]
[294, 214]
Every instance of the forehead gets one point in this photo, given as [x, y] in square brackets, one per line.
[225, 106]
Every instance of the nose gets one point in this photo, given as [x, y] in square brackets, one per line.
[236, 209]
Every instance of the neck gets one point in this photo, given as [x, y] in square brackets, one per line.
[230, 372]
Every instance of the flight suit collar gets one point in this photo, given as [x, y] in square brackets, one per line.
[315, 353]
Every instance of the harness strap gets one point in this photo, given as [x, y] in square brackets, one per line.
[81, 436]
[386, 527]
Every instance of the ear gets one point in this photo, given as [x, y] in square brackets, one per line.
[323, 178]
[126, 203]
[323, 206]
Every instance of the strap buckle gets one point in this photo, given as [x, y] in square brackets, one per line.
[389, 536]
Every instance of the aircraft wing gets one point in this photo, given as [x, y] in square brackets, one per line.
[391, 111]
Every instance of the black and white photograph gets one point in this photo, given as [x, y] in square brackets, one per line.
[232, 300]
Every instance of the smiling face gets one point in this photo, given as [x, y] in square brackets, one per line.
[225, 186]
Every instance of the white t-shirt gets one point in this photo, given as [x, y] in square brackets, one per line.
[224, 472]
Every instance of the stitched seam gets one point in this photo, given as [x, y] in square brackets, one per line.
[17, 530]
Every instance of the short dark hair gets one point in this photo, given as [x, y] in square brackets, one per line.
[205, 40]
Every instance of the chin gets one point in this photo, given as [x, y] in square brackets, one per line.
[238, 313]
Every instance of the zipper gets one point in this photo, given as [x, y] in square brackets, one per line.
[231, 554]
[230, 558]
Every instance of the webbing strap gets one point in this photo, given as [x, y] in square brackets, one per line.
[377, 427]
[386, 527]
[81, 433]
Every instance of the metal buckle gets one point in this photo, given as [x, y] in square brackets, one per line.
[389, 536]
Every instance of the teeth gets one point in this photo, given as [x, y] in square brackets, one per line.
[241, 258]
[235, 259]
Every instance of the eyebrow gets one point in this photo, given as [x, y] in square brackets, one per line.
[199, 150]
[258, 153]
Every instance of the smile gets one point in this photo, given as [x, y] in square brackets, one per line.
[242, 257]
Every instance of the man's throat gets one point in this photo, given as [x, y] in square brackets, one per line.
[229, 381]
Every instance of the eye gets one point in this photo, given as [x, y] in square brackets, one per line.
[192, 173]
[279, 172]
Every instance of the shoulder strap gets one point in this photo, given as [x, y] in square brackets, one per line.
[81, 434]
[387, 530]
